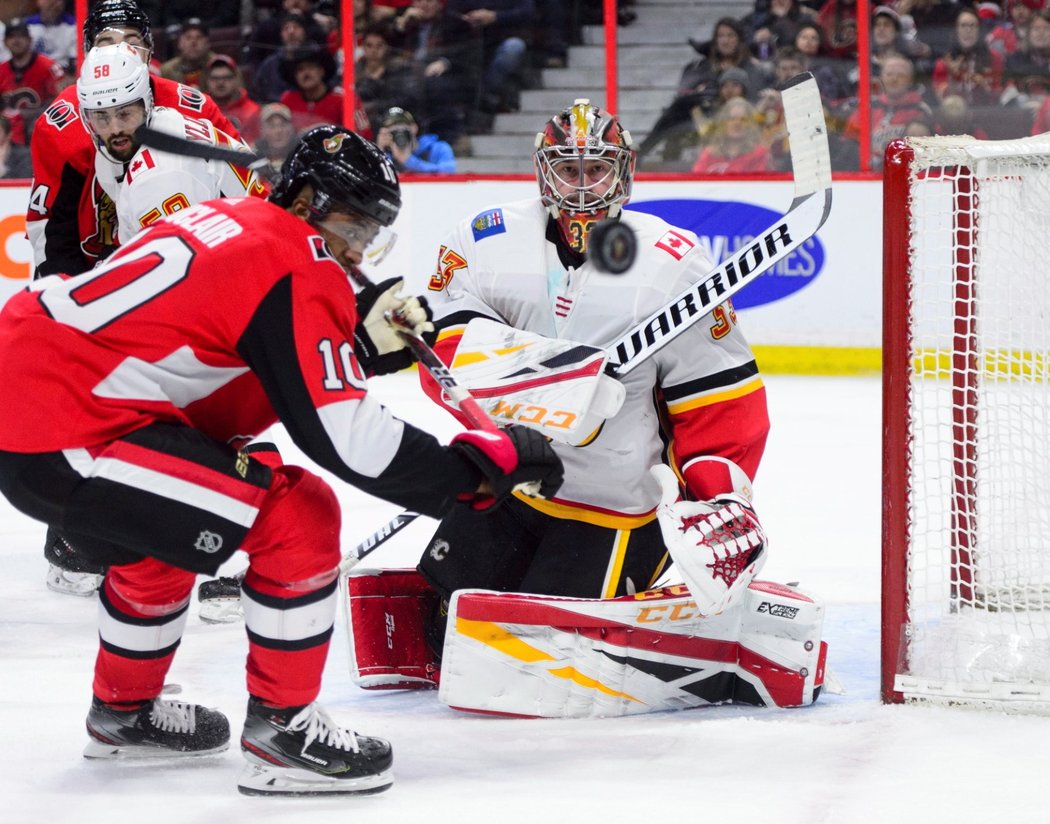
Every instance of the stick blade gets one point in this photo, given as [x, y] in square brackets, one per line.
[165, 142]
[807, 134]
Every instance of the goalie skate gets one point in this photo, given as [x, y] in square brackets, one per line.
[301, 751]
[157, 729]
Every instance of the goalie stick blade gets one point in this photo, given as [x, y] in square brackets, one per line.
[811, 161]
[162, 141]
[807, 134]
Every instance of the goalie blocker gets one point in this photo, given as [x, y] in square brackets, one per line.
[538, 656]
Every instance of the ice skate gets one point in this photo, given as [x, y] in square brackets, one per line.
[220, 600]
[156, 729]
[301, 751]
[69, 572]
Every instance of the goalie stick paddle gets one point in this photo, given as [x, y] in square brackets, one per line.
[164, 142]
[375, 540]
[811, 162]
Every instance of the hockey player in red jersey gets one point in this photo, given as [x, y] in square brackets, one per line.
[69, 219]
[131, 389]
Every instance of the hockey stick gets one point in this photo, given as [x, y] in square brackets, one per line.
[164, 142]
[457, 393]
[375, 540]
[811, 162]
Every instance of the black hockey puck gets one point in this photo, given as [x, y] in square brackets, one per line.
[612, 246]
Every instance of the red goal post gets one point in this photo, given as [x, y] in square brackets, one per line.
[966, 423]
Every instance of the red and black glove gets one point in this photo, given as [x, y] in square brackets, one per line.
[512, 458]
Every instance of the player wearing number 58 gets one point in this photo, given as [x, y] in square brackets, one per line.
[129, 392]
[145, 183]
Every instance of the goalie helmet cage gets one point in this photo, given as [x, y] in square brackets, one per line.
[966, 423]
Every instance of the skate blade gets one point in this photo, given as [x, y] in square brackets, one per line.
[266, 779]
[131, 752]
[221, 611]
[81, 584]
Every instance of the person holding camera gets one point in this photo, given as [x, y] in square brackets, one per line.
[411, 151]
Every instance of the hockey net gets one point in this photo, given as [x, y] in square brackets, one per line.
[966, 423]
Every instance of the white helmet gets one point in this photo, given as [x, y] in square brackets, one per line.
[113, 76]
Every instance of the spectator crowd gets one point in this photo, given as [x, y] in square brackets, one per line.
[436, 71]
[938, 67]
[439, 71]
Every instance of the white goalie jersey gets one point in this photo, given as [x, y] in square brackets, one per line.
[155, 183]
[700, 396]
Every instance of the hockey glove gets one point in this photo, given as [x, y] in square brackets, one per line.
[718, 546]
[509, 459]
[377, 343]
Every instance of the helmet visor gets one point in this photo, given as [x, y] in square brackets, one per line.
[361, 234]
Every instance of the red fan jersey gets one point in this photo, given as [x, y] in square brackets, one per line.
[329, 109]
[224, 317]
[70, 221]
[32, 86]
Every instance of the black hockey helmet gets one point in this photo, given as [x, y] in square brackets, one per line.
[116, 14]
[346, 172]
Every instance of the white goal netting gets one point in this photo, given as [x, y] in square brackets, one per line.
[977, 497]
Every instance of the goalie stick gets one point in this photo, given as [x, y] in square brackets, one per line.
[457, 393]
[811, 162]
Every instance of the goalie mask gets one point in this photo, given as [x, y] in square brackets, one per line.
[348, 175]
[585, 167]
[117, 15]
[112, 81]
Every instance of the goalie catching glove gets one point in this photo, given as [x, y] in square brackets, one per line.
[509, 459]
[718, 545]
[378, 344]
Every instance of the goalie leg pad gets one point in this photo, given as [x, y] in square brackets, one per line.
[781, 644]
[534, 656]
[388, 611]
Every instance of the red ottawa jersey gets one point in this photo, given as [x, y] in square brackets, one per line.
[70, 221]
[224, 317]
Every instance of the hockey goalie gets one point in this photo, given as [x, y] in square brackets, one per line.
[550, 608]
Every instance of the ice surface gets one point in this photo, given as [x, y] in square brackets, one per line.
[846, 759]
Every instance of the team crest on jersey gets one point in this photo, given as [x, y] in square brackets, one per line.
[61, 114]
[449, 262]
[675, 244]
[488, 223]
[191, 99]
[104, 220]
[320, 249]
[334, 143]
